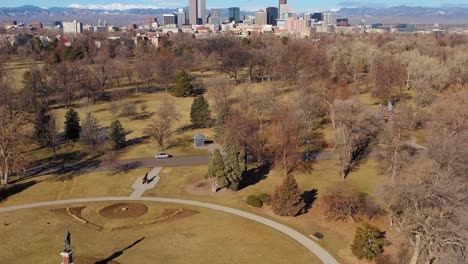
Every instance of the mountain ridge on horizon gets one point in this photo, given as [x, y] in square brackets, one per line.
[394, 14]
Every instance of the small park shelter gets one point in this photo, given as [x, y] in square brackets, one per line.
[199, 141]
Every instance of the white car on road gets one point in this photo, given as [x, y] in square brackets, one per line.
[162, 156]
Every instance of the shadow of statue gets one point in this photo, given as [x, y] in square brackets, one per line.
[118, 253]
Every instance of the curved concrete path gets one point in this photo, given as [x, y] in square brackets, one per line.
[317, 250]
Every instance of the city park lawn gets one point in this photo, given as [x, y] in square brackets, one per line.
[36, 236]
[183, 182]
[16, 67]
[77, 185]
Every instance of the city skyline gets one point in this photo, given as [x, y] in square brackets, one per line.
[297, 5]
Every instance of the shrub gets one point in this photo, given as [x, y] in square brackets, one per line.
[254, 201]
[369, 242]
[265, 198]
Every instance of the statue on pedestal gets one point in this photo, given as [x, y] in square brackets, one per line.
[67, 241]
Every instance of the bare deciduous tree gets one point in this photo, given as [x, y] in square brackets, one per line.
[161, 126]
[357, 128]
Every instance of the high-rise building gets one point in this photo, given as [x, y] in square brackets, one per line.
[72, 27]
[181, 17]
[317, 16]
[170, 19]
[327, 18]
[197, 12]
[260, 18]
[215, 18]
[201, 12]
[281, 2]
[284, 10]
[272, 15]
[234, 14]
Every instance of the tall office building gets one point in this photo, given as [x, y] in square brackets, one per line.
[215, 18]
[72, 27]
[328, 18]
[284, 11]
[272, 15]
[260, 18]
[170, 19]
[234, 14]
[281, 2]
[181, 17]
[317, 16]
[197, 12]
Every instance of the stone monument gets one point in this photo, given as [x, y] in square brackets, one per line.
[67, 253]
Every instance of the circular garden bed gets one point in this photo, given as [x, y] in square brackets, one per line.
[123, 210]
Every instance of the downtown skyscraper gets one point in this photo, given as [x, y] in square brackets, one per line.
[197, 12]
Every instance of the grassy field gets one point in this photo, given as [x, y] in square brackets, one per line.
[175, 242]
[206, 237]
[79, 185]
[179, 182]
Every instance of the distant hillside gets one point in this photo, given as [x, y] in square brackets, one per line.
[398, 14]
[117, 17]
[406, 14]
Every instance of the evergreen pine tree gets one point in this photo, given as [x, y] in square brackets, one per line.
[235, 166]
[41, 126]
[183, 86]
[72, 125]
[116, 134]
[216, 171]
[287, 200]
[369, 242]
[220, 120]
[200, 114]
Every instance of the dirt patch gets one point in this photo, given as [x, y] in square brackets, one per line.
[169, 215]
[123, 210]
[75, 214]
[87, 260]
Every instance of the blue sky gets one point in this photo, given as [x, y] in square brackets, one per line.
[298, 5]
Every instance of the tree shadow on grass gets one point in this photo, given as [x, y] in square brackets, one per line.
[136, 141]
[118, 253]
[255, 175]
[8, 191]
[309, 198]
[143, 116]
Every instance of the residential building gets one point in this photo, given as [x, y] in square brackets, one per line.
[72, 27]
[9, 24]
[293, 24]
[234, 14]
[272, 15]
[260, 18]
[35, 25]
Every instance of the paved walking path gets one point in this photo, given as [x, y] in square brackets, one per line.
[316, 249]
[140, 187]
